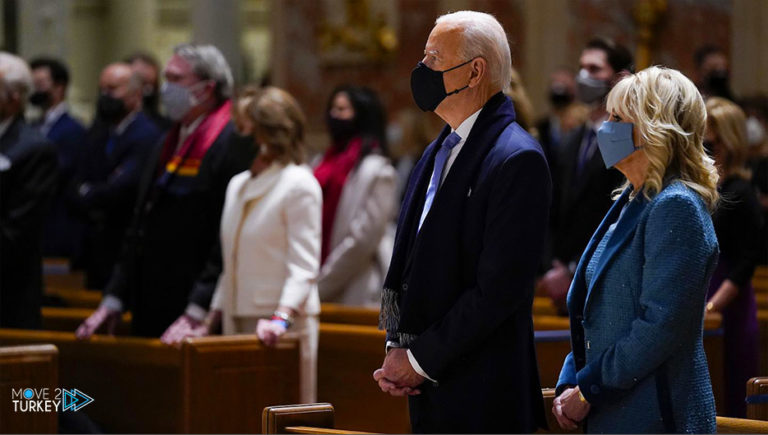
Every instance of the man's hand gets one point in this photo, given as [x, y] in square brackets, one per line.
[102, 316]
[556, 283]
[396, 376]
[269, 332]
[182, 328]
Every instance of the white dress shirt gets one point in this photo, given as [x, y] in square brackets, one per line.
[52, 117]
[463, 131]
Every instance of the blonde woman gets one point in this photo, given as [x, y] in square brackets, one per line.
[737, 225]
[637, 299]
[270, 238]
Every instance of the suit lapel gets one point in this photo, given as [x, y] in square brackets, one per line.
[625, 228]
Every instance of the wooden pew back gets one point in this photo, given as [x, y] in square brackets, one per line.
[142, 386]
[31, 366]
[757, 398]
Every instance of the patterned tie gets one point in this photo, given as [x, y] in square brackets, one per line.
[437, 174]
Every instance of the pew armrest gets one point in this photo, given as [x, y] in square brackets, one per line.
[275, 419]
[741, 425]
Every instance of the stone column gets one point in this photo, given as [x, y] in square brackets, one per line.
[546, 49]
[218, 23]
[749, 55]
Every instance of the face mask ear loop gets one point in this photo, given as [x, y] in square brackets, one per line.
[451, 69]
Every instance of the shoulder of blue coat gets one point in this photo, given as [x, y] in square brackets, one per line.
[678, 203]
[515, 141]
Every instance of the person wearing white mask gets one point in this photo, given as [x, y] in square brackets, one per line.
[171, 258]
[582, 194]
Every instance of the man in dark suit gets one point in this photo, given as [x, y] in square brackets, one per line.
[120, 142]
[458, 296]
[582, 195]
[27, 183]
[50, 77]
[169, 265]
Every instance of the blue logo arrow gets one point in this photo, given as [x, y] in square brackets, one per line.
[75, 400]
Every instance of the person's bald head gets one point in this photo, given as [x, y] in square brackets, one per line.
[120, 81]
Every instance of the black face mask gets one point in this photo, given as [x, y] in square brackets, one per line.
[341, 130]
[40, 98]
[428, 88]
[718, 83]
[110, 109]
[559, 97]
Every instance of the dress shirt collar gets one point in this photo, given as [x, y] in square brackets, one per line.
[52, 116]
[466, 126]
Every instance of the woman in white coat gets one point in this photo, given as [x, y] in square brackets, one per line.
[358, 184]
[270, 238]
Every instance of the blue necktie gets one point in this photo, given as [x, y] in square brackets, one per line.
[437, 174]
[585, 151]
[110, 145]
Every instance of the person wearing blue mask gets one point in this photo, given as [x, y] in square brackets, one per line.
[171, 258]
[457, 299]
[637, 299]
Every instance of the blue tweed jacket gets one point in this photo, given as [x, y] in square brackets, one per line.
[636, 328]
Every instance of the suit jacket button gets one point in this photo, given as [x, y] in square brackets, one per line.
[405, 287]
[594, 389]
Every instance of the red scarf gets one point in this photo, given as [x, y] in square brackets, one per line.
[332, 173]
[190, 154]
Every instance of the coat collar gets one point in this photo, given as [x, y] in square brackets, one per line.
[625, 228]
[254, 188]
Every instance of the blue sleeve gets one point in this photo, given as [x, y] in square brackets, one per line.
[678, 260]
[567, 377]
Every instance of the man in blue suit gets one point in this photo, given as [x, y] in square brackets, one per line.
[120, 141]
[63, 231]
[458, 296]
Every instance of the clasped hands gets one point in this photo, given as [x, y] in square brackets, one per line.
[396, 375]
[570, 409]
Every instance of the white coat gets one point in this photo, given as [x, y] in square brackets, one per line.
[270, 241]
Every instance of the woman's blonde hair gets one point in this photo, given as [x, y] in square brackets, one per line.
[669, 114]
[279, 122]
[729, 124]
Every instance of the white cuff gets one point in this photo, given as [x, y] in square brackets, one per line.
[416, 366]
[112, 302]
[196, 312]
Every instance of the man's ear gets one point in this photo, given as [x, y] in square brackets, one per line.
[478, 70]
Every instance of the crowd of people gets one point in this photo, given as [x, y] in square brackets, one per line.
[199, 209]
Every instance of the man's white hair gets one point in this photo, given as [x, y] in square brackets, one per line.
[209, 64]
[483, 36]
[15, 74]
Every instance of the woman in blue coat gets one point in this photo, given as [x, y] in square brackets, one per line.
[637, 299]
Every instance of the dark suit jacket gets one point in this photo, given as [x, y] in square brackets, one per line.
[113, 181]
[63, 229]
[579, 203]
[459, 293]
[28, 172]
[166, 256]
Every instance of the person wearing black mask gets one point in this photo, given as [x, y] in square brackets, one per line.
[63, 231]
[358, 183]
[713, 73]
[582, 193]
[551, 128]
[120, 141]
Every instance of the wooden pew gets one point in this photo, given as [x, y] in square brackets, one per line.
[741, 425]
[317, 418]
[209, 385]
[31, 366]
[68, 319]
[757, 398]
[73, 298]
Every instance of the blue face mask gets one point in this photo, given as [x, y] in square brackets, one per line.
[614, 139]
